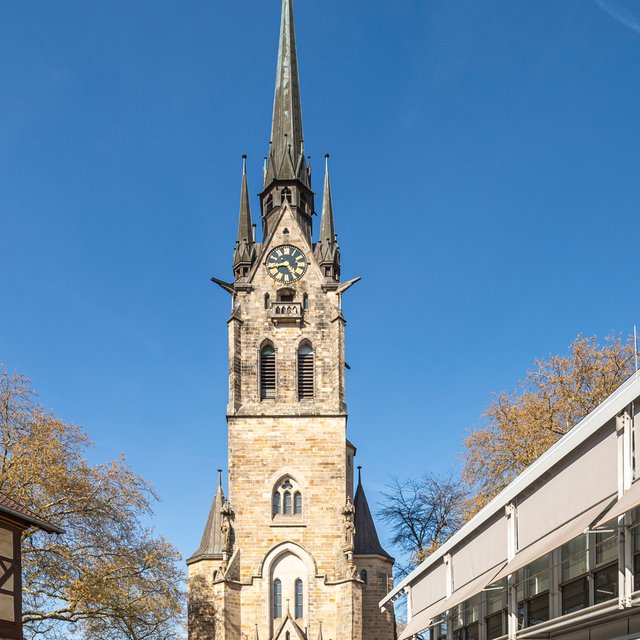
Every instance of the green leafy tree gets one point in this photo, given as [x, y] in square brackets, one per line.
[109, 575]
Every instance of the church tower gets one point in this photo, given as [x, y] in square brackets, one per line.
[291, 553]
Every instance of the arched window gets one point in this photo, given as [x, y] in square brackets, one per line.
[267, 301]
[269, 205]
[287, 503]
[267, 372]
[305, 301]
[299, 599]
[277, 599]
[286, 499]
[276, 504]
[286, 195]
[364, 576]
[305, 372]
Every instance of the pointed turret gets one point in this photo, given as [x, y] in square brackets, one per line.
[211, 544]
[245, 250]
[366, 541]
[327, 250]
[286, 159]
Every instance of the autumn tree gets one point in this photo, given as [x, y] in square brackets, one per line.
[109, 575]
[555, 395]
[421, 515]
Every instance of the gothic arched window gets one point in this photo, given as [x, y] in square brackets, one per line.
[277, 599]
[267, 301]
[364, 576]
[299, 599]
[286, 195]
[267, 372]
[306, 386]
[286, 499]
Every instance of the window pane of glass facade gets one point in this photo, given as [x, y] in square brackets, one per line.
[575, 595]
[472, 610]
[495, 597]
[607, 543]
[494, 626]
[539, 576]
[538, 610]
[606, 583]
[574, 558]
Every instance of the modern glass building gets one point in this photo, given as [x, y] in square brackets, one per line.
[555, 555]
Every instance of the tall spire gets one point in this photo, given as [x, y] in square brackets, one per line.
[211, 544]
[286, 155]
[327, 250]
[245, 246]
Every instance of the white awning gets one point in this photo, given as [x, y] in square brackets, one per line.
[422, 620]
[556, 538]
[628, 501]
[418, 623]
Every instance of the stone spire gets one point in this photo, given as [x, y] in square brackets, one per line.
[367, 541]
[286, 159]
[244, 253]
[327, 249]
[211, 544]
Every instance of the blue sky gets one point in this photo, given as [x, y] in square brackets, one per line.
[485, 164]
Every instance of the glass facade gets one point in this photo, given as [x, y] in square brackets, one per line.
[584, 572]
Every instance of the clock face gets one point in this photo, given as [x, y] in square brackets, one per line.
[286, 264]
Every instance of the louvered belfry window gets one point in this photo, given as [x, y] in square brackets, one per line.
[267, 372]
[305, 372]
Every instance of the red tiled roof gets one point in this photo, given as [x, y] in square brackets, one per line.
[12, 508]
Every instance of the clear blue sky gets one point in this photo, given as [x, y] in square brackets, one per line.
[485, 161]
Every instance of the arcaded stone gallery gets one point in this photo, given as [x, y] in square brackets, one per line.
[292, 552]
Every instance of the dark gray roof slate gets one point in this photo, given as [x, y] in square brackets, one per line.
[366, 540]
[211, 544]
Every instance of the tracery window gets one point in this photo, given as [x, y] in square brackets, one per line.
[286, 499]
